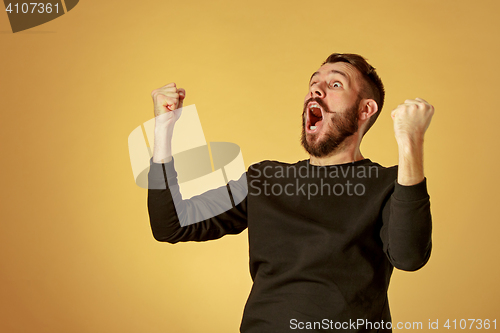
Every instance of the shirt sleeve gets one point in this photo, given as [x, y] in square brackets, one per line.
[210, 215]
[407, 226]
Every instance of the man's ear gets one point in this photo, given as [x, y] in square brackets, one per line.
[368, 108]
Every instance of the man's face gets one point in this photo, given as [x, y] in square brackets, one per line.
[331, 108]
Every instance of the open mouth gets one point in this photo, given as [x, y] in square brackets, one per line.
[314, 117]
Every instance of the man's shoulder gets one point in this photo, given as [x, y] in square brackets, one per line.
[389, 173]
[393, 168]
[362, 163]
[382, 172]
[273, 163]
[276, 168]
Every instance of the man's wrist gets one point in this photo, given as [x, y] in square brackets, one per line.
[163, 126]
[162, 159]
[410, 143]
[411, 163]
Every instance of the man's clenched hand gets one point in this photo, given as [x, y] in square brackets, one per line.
[411, 120]
[166, 99]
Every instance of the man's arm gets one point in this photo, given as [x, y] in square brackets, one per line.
[407, 218]
[203, 217]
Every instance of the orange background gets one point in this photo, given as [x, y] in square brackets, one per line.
[76, 250]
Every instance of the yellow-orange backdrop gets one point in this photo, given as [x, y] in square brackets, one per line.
[76, 251]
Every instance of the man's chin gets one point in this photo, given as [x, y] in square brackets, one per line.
[314, 139]
[318, 146]
[312, 146]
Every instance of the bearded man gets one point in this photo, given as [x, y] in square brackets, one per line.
[324, 233]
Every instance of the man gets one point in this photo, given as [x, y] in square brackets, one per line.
[325, 233]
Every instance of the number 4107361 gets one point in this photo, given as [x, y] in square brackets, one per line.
[35, 8]
[479, 324]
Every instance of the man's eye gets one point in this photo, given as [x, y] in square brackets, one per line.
[335, 84]
[313, 83]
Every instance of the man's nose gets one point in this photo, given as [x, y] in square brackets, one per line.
[317, 91]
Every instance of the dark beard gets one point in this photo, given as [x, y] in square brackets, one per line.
[342, 126]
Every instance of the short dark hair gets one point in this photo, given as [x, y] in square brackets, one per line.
[372, 87]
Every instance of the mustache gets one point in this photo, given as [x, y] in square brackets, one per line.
[320, 103]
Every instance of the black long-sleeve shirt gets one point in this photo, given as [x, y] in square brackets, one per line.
[323, 241]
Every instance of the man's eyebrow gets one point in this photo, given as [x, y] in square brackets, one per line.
[332, 71]
[315, 73]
